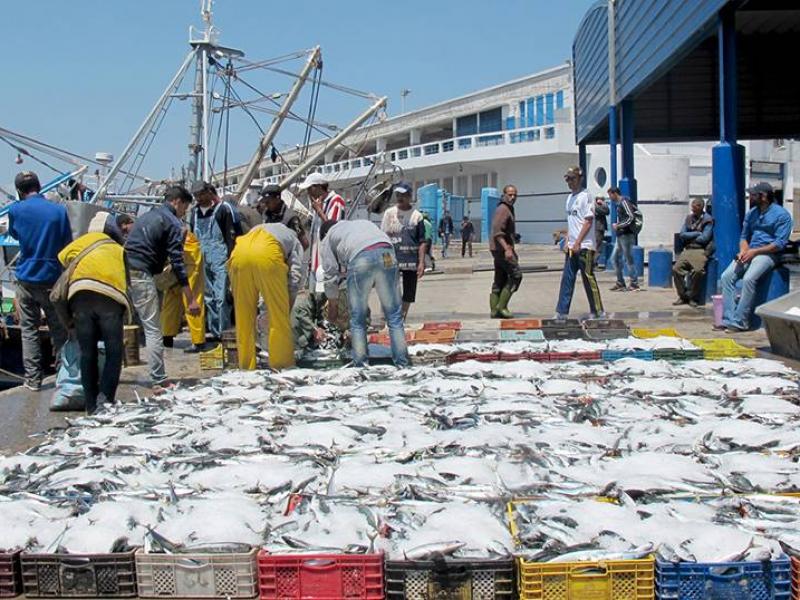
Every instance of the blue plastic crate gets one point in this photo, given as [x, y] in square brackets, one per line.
[619, 354]
[769, 580]
[522, 335]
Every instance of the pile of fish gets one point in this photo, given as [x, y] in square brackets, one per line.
[422, 461]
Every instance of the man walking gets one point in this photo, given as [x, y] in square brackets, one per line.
[368, 257]
[43, 230]
[157, 236]
[327, 205]
[601, 212]
[696, 237]
[765, 233]
[404, 226]
[216, 226]
[467, 233]
[625, 228]
[507, 275]
[579, 248]
[446, 229]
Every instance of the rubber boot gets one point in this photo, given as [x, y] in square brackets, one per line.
[493, 300]
[502, 304]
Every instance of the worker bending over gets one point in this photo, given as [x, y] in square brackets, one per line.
[265, 262]
[174, 305]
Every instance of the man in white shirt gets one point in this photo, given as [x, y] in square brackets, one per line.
[580, 247]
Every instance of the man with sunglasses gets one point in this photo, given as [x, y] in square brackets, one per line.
[580, 247]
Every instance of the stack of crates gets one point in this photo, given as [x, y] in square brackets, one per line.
[605, 329]
[213, 359]
[450, 579]
[714, 349]
[562, 329]
[79, 575]
[611, 355]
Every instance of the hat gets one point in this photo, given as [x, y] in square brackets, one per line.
[761, 188]
[402, 188]
[271, 190]
[313, 179]
[25, 179]
[198, 187]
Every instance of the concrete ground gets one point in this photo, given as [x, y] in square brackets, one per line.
[459, 290]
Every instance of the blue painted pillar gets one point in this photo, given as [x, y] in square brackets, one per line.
[582, 163]
[727, 157]
[628, 182]
[613, 130]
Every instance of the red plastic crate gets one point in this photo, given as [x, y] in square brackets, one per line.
[10, 575]
[382, 339]
[441, 325]
[320, 576]
[539, 356]
[795, 578]
[521, 324]
[437, 336]
[566, 356]
[514, 356]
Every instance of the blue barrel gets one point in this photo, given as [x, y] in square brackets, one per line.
[428, 198]
[770, 288]
[659, 268]
[638, 261]
[490, 198]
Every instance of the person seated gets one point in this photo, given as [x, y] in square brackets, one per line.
[765, 233]
[696, 238]
[310, 324]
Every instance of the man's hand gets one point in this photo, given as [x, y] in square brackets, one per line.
[319, 335]
[614, 226]
[747, 255]
[420, 270]
[510, 256]
[316, 204]
[576, 249]
[193, 308]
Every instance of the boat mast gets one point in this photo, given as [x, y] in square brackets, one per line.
[198, 167]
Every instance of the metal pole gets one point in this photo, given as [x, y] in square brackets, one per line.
[101, 190]
[266, 141]
[331, 143]
[612, 91]
[197, 124]
[206, 157]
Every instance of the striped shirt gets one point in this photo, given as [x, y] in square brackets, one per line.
[333, 207]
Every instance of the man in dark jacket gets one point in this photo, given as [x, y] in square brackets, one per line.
[601, 212]
[696, 237]
[446, 229]
[274, 209]
[626, 237]
[43, 230]
[156, 237]
[467, 233]
[507, 274]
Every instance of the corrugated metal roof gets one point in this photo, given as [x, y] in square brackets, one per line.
[591, 72]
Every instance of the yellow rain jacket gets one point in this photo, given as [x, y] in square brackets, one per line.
[173, 306]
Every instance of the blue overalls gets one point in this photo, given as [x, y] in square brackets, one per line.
[215, 256]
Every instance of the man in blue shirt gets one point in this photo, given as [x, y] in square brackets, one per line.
[43, 230]
[765, 232]
[690, 265]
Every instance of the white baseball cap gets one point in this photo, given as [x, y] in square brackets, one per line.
[313, 179]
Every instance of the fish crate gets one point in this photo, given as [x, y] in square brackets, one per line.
[10, 575]
[562, 323]
[79, 575]
[478, 356]
[538, 356]
[563, 333]
[450, 579]
[521, 324]
[589, 324]
[590, 580]
[606, 334]
[795, 578]
[197, 575]
[441, 325]
[769, 580]
[213, 359]
[644, 333]
[611, 355]
[513, 356]
[718, 348]
[439, 336]
[570, 356]
[682, 354]
[522, 335]
[466, 335]
[320, 576]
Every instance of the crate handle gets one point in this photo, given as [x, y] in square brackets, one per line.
[319, 564]
[78, 562]
[191, 564]
[589, 572]
[736, 573]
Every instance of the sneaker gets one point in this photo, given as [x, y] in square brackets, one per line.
[694, 304]
[193, 349]
[634, 287]
[619, 287]
[559, 317]
[34, 385]
[679, 302]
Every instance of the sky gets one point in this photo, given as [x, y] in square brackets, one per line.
[82, 74]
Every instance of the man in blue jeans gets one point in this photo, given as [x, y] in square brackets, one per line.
[366, 253]
[626, 238]
[765, 232]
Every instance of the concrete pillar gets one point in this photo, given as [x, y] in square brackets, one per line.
[415, 136]
[613, 131]
[727, 157]
[582, 162]
[380, 145]
[627, 183]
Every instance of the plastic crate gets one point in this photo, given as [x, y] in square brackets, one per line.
[441, 336]
[465, 356]
[719, 348]
[604, 324]
[521, 324]
[599, 580]
[795, 578]
[568, 356]
[606, 334]
[450, 579]
[78, 575]
[688, 354]
[513, 356]
[770, 580]
[10, 575]
[478, 336]
[561, 323]
[619, 354]
[441, 325]
[197, 575]
[646, 334]
[320, 576]
[563, 333]
[522, 335]
[212, 359]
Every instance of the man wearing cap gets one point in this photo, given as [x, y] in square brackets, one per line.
[43, 230]
[406, 230]
[765, 233]
[579, 248]
[274, 209]
[327, 205]
[156, 237]
[216, 226]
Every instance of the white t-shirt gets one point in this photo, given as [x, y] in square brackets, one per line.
[579, 208]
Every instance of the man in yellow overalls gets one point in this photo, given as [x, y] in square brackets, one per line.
[258, 267]
[174, 302]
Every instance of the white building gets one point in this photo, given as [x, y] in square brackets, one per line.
[522, 132]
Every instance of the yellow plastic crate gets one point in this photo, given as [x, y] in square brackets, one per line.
[212, 359]
[645, 334]
[720, 348]
[598, 580]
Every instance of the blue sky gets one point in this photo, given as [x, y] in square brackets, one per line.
[82, 74]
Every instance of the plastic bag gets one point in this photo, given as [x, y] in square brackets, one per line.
[68, 395]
